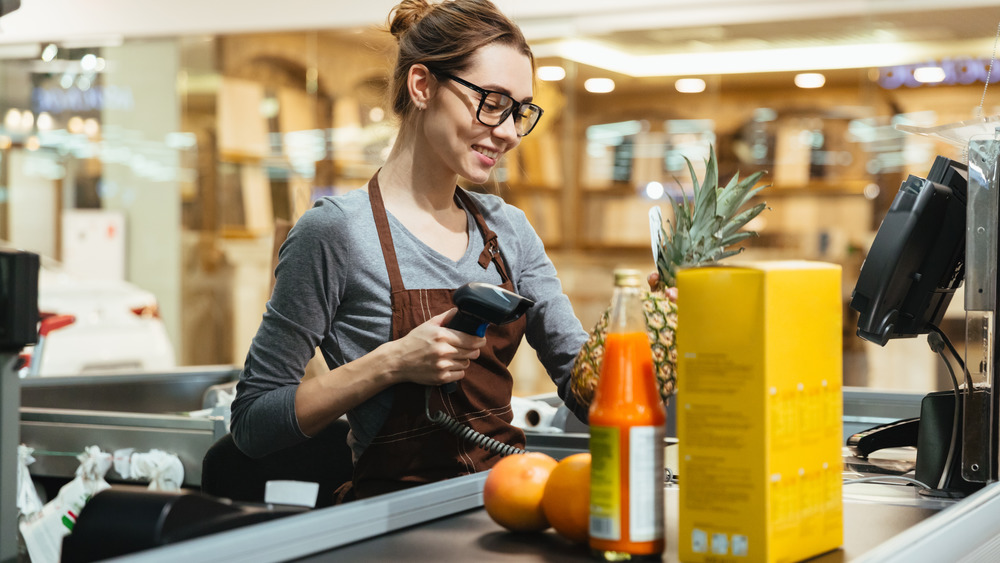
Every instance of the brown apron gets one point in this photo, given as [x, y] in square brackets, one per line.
[409, 450]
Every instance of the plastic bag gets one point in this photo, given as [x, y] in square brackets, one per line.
[43, 532]
[28, 502]
[163, 470]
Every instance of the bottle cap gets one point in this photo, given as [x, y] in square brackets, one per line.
[627, 277]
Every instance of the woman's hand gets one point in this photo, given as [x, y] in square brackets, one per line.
[654, 281]
[432, 354]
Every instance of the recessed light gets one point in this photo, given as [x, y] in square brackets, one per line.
[49, 52]
[551, 73]
[690, 85]
[928, 74]
[810, 80]
[599, 85]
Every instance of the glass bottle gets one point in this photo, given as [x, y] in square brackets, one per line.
[626, 436]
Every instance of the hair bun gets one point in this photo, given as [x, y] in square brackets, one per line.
[405, 15]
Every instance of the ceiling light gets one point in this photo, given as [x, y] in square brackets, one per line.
[269, 107]
[91, 127]
[13, 118]
[928, 74]
[551, 73]
[789, 59]
[88, 62]
[599, 85]
[75, 124]
[49, 52]
[810, 80]
[27, 120]
[690, 85]
[44, 121]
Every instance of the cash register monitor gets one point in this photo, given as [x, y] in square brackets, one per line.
[917, 259]
[915, 264]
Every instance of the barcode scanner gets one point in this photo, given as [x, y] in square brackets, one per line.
[480, 305]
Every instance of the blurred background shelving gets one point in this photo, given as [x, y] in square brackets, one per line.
[212, 134]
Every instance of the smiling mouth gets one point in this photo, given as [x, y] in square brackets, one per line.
[487, 152]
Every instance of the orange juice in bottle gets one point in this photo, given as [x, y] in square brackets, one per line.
[626, 437]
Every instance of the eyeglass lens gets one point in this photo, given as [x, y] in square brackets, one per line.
[495, 107]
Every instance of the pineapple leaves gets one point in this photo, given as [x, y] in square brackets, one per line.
[735, 238]
[742, 219]
[729, 253]
[708, 222]
[736, 194]
[705, 198]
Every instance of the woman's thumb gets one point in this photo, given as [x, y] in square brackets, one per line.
[445, 317]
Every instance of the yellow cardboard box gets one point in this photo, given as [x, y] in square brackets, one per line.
[759, 411]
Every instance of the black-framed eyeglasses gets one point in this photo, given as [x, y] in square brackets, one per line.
[495, 107]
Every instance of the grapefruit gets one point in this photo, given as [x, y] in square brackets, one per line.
[566, 499]
[512, 494]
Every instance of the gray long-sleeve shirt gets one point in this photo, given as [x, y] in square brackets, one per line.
[332, 291]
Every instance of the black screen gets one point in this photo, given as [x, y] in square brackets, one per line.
[917, 259]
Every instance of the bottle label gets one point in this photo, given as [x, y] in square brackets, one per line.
[605, 483]
[645, 483]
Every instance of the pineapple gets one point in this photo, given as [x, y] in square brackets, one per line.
[700, 233]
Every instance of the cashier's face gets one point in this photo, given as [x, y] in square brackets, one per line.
[452, 125]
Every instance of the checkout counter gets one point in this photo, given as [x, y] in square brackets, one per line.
[445, 521]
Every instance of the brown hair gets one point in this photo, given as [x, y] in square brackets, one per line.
[444, 36]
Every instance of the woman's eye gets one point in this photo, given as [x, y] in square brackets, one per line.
[494, 103]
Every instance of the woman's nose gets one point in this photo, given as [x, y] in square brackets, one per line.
[507, 130]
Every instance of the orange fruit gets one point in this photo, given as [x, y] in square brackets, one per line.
[566, 500]
[512, 494]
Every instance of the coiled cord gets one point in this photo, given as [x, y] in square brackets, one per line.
[467, 433]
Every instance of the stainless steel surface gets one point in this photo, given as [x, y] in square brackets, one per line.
[9, 399]
[967, 531]
[64, 430]
[142, 411]
[445, 522]
[168, 392]
[557, 445]
[979, 425]
[328, 528]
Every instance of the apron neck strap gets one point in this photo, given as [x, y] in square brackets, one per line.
[491, 248]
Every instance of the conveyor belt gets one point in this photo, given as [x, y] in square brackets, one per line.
[472, 536]
[445, 522]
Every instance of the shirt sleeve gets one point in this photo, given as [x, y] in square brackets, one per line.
[296, 318]
[553, 329]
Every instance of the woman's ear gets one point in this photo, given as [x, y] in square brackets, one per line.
[420, 84]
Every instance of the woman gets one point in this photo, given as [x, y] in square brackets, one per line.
[368, 276]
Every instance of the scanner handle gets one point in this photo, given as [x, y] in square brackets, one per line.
[464, 322]
[469, 324]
